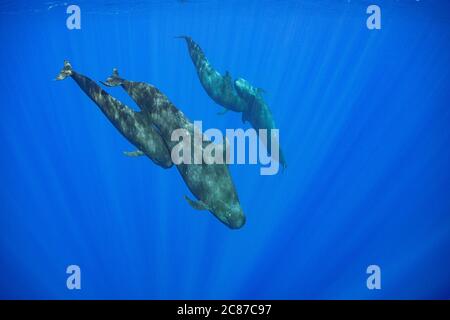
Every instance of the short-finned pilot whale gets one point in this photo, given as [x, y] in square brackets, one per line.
[236, 95]
[133, 125]
[150, 131]
[211, 184]
[258, 114]
[219, 87]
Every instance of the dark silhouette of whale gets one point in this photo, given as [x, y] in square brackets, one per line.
[219, 87]
[133, 125]
[259, 115]
[238, 95]
[211, 184]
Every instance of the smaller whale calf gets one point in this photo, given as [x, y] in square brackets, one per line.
[259, 115]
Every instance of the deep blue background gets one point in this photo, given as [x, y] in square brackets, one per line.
[365, 126]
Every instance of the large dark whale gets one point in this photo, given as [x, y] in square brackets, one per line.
[133, 125]
[211, 184]
[238, 95]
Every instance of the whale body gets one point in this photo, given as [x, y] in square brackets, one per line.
[258, 114]
[219, 87]
[236, 95]
[150, 131]
[211, 184]
[133, 125]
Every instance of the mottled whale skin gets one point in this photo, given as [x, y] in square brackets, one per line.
[150, 131]
[219, 87]
[238, 96]
[211, 184]
[258, 113]
[133, 125]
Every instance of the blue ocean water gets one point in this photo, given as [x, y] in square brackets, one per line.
[364, 123]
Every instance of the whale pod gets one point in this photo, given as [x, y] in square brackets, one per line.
[150, 130]
[211, 184]
[133, 125]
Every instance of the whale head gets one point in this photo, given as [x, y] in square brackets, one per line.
[231, 215]
[224, 206]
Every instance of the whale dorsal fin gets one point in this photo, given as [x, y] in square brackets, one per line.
[197, 205]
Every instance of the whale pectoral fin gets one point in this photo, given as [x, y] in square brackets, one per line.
[197, 205]
[221, 113]
[136, 153]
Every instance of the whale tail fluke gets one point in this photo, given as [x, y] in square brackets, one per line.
[187, 38]
[114, 80]
[66, 71]
[183, 37]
